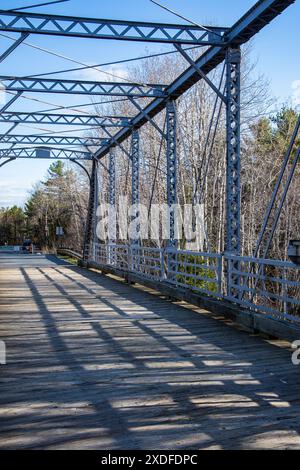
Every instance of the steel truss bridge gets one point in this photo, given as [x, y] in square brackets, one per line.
[231, 278]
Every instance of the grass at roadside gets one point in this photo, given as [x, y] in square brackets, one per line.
[68, 258]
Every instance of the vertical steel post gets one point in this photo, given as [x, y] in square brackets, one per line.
[171, 184]
[135, 154]
[233, 160]
[90, 231]
[112, 177]
[112, 202]
[133, 249]
[233, 170]
[96, 204]
[135, 162]
[171, 169]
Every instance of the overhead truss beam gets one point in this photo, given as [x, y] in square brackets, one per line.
[44, 153]
[50, 140]
[65, 119]
[261, 14]
[78, 87]
[110, 29]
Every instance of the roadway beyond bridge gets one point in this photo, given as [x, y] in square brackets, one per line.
[94, 363]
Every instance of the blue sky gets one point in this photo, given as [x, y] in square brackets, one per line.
[275, 48]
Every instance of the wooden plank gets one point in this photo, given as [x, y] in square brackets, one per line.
[251, 320]
[94, 363]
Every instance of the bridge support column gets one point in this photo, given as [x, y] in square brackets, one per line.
[90, 231]
[171, 169]
[134, 255]
[112, 203]
[112, 177]
[171, 182]
[135, 160]
[233, 162]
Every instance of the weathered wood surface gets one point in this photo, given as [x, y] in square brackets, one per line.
[93, 363]
[254, 322]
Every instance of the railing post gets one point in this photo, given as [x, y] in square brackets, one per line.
[171, 183]
[162, 264]
[219, 274]
[130, 258]
[233, 161]
[90, 230]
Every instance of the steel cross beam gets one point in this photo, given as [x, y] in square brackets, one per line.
[7, 133]
[44, 153]
[260, 15]
[110, 29]
[80, 87]
[10, 102]
[15, 96]
[64, 119]
[14, 46]
[50, 140]
[149, 119]
[111, 137]
[202, 75]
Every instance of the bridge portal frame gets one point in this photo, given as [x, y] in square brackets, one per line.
[222, 44]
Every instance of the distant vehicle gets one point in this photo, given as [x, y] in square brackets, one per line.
[27, 245]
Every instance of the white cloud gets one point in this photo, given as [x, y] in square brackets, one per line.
[296, 92]
[114, 74]
[10, 194]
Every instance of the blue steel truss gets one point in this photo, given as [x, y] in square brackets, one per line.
[44, 152]
[171, 169]
[90, 229]
[50, 140]
[110, 29]
[79, 87]
[260, 15]
[64, 119]
[6, 53]
[224, 45]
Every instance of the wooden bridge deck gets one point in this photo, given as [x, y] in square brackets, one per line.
[93, 363]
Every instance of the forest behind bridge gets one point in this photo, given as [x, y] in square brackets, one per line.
[61, 197]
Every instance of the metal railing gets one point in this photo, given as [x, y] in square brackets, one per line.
[200, 272]
[69, 252]
[268, 286]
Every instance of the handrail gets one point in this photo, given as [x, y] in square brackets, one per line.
[67, 251]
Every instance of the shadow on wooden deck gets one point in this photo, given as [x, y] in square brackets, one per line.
[95, 363]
